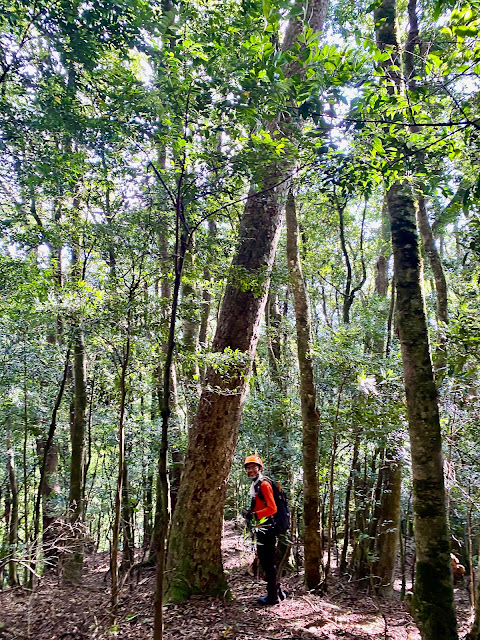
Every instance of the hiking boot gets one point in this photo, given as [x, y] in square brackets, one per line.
[281, 594]
[265, 601]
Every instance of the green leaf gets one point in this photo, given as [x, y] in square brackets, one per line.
[378, 146]
[465, 32]
[437, 62]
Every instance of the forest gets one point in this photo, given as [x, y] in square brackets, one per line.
[232, 228]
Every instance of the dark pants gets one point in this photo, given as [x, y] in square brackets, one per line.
[266, 541]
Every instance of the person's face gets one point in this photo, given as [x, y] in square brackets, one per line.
[252, 470]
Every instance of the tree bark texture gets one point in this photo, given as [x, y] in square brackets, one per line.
[194, 562]
[359, 566]
[386, 542]
[433, 604]
[79, 423]
[73, 562]
[381, 279]
[49, 491]
[308, 402]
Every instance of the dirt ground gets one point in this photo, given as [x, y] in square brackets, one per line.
[55, 611]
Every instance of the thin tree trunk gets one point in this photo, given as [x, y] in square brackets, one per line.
[147, 502]
[72, 564]
[120, 474]
[331, 499]
[28, 577]
[13, 515]
[190, 331]
[175, 476]
[162, 515]
[128, 547]
[470, 553]
[163, 507]
[279, 428]
[48, 465]
[308, 402]
[386, 531]
[390, 320]
[206, 300]
[346, 537]
[350, 291]
[422, 215]
[377, 502]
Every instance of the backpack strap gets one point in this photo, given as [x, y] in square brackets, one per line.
[259, 490]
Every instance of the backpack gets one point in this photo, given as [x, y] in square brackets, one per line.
[281, 519]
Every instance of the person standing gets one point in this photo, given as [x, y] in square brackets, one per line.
[263, 506]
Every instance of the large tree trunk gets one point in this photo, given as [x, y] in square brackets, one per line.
[433, 605]
[194, 560]
[308, 402]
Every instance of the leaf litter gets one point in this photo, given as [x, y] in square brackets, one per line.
[59, 611]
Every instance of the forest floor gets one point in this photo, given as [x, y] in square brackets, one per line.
[55, 611]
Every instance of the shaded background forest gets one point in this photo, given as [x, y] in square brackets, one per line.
[131, 133]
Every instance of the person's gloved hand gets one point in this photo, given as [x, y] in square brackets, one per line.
[247, 514]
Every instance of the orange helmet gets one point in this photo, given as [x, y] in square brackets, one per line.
[255, 459]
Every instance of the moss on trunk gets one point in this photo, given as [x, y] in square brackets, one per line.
[433, 605]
